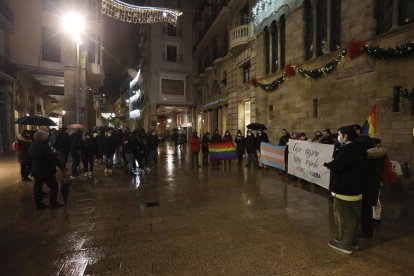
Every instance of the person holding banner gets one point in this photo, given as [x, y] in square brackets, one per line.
[250, 144]
[239, 141]
[226, 139]
[348, 169]
[261, 137]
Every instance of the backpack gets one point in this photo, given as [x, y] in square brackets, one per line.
[16, 145]
[388, 176]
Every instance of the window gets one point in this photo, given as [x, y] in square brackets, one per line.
[383, 15]
[321, 29]
[172, 53]
[308, 35]
[282, 23]
[335, 25]
[246, 73]
[50, 45]
[406, 11]
[275, 48]
[91, 51]
[244, 15]
[266, 41]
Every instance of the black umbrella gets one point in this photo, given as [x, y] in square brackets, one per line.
[35, 120]
[256, 126]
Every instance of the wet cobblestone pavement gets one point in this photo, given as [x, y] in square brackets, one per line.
[181, 221]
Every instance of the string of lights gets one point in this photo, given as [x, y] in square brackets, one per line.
[138, 14]
[322, 71]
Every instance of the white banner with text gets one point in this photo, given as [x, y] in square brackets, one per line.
[306, 161]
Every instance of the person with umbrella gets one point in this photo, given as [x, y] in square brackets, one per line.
[23, 155]
[250, 144]
[62, 145]
[44, 163]
[240, 142]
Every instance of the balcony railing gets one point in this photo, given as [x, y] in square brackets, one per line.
[6, 12]
[174, 59]
[240, 36]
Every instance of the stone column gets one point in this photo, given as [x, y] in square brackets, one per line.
[69, 93]
[395, 13]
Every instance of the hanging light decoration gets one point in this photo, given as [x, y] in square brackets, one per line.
[138, 14]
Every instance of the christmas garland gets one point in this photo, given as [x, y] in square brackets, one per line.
[401, 51]
[322, 71]
[355, 49]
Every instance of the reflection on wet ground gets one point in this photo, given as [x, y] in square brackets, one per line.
[181, 221]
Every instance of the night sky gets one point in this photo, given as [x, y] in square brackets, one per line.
[120, 42]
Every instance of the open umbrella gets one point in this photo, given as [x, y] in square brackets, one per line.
[75, 126]
[35, 120]
[256, 126]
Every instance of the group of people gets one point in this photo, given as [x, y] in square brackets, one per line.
[356, 169]
[41, 151]
[356, 166]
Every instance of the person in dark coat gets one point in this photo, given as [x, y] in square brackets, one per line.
[261, 137]
[110, 146]
[23, 155]
[375, 158]
[174, 137]
[227, 138]
[152, 147]
[250, 145]
[348, 170]
[283, 141]
[204, 147]
[87, 151]
[195, 149]
[62, 145]
[327, 137]
[44, 163]
[75, 151]
[240, 147]
[216, 138]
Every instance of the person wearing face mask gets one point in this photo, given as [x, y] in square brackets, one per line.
[152, 147]
[261, 137]
[227, 138]
[346, 187]
[216, 138]
[250, 144]
[110, 145]
[283, 141]
[204, 147]
[239, 141]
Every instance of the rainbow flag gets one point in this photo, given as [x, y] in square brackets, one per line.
[222, 151]
[370, 125]
[272, 155]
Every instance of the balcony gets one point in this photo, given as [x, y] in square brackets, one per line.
[239, 37]
[6, 14]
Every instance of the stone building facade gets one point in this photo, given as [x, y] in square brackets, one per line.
[309, 34]
[50, 68]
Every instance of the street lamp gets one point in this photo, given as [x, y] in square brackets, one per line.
[73, 24]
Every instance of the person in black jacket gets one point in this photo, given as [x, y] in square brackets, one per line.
[261, 137]
[110, 145]
[283, 141]
[250, 145]
[75, 151]
[152, 147]
[204, 147]
[44, 164]
[239, 141]
[348, 169]
[216, 138]
[376, 157]
[23, 155]
[62, 145]
[87, 150]
[327, 137]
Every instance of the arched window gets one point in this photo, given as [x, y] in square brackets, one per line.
[335, 25]
[406, 12]
[321, 28]
[266, 42]
[383, 15]
[282, 30]
[308, 30]
[275, 48]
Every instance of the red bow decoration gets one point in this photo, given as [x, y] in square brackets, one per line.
[290, 70]
[355, 48]
[253, 82]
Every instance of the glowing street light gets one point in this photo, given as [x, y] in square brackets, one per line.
[73, 23]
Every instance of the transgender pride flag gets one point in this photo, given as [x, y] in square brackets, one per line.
[370, 124]
[272, 155]
[222, 151]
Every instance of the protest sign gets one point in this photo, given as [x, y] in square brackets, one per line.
[272, 155]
